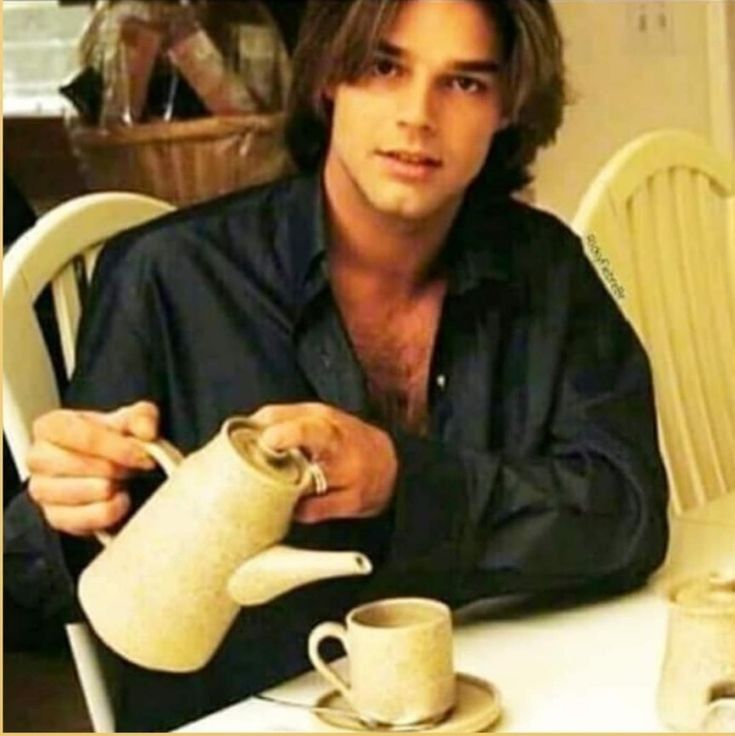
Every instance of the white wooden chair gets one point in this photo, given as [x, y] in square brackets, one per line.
[59, 250]
[658, 223]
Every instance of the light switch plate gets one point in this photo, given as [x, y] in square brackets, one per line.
[650, 27]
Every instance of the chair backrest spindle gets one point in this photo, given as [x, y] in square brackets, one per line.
[659, 226]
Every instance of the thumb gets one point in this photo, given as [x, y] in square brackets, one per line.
[139, 420]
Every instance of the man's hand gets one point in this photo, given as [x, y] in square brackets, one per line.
[79, 462]
[358, 459]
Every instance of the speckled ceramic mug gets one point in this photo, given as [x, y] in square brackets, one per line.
[697, 687]
[401, 664]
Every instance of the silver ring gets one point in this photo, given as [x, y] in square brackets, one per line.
[320, 479]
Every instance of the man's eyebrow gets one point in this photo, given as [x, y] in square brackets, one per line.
[484, 66]
[477, 67]
[389, 49]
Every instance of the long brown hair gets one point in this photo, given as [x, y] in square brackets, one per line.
[337, 42]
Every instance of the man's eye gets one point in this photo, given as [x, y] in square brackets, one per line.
[384, 68]
[467, 84]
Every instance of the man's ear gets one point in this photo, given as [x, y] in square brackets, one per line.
[506, 119]
[326, 100]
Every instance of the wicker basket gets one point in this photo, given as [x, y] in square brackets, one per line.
[182, 162]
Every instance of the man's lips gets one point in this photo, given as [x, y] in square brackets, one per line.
[409, 166]
[411, 158]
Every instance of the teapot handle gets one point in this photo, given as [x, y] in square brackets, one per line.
[167, 456]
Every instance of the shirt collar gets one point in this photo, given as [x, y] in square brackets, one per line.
[477, 249]
[306, 236]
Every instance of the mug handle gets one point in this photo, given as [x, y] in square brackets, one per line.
[329, 630]
[719, 716]
[167, 456]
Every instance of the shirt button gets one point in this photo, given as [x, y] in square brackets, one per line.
[326, 360]
[441, 381]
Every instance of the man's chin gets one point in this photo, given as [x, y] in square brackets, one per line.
[405, 208]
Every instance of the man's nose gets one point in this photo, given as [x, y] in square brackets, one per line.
[416, 105]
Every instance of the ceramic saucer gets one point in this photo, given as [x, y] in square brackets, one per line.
[478, 707]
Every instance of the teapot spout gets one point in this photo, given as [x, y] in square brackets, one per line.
[279, 569]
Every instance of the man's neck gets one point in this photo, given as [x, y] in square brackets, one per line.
[374, 254]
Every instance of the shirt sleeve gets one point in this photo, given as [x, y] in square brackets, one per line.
[588, 510]
[114, 361]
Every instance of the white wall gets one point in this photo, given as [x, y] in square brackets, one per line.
[624, 86]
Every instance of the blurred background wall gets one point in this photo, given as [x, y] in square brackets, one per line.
[634, 67]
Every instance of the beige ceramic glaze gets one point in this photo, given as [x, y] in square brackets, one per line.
[165, 590]
[478, 708]
[697, 684]
[400, 657]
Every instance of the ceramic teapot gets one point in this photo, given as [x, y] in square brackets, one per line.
[697, 686]
[165, 589]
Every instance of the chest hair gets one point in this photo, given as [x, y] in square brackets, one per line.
[394, 344]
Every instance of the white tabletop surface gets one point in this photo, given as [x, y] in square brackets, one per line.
[592, 667]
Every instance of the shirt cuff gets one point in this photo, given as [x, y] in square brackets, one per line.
[430, 501]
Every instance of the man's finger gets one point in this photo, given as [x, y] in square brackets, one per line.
[46, 458]
[316, 436]
[74, 431]
[332, 505]
[140, 419]
[93, 517]
[277, 413]
[71, 491]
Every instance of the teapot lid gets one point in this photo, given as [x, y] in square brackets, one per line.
[714, 593]
[289, 467]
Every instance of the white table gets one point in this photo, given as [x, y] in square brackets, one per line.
[589, 668]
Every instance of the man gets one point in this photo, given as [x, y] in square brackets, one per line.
[481, 412]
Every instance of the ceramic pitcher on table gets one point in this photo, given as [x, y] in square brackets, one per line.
[164, 591]
[697, 687]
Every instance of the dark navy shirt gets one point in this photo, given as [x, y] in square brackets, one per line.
[540, 471]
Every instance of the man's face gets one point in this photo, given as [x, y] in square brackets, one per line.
[414, 131]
